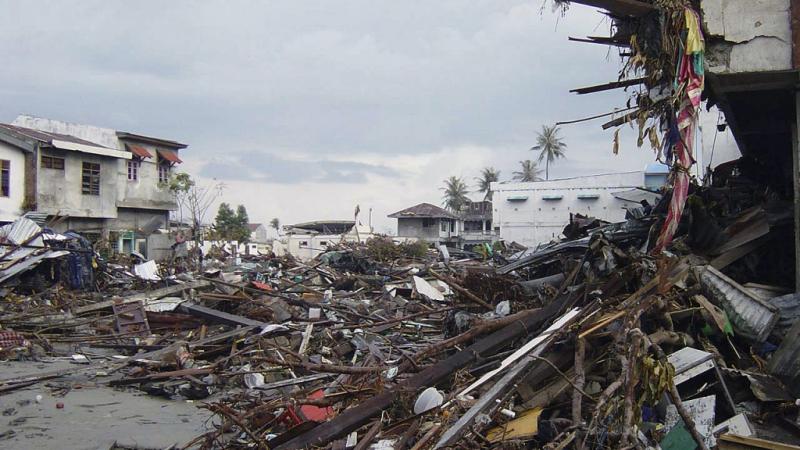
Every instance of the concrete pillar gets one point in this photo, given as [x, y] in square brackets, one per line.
[796, 173]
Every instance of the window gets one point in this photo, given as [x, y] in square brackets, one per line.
[163, 171]
[303, 243]
[323, 243]
[427, 223]
[5, 178]
[133, 169]
[90, 179]
[444, 225]
[452, 226]
[52, 162]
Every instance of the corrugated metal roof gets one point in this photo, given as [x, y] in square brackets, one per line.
[751, 316]
[169, 155]
[139, 151]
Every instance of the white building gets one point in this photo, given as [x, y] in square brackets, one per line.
[537, 212]
[258, 233]
[305, 241]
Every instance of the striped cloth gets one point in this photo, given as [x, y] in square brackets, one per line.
[690, 82]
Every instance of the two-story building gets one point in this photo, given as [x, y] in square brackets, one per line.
[97, 181]
[429, 223]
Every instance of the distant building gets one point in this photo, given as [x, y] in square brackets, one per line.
[258, 233]
[477, 223]
[103, 183]
[429, 223]
[536, 212]
[307, 240]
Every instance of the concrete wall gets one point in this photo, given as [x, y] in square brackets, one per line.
[413, 227]
[308, 246]
[747, 35]
[159, 246]
[138, 219]
[99, 135]
[10, 207]
[526, 215]
[259, 235]
[59, 191]
[146, 192]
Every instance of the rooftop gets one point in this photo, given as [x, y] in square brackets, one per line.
[423, 211]
[44, 136]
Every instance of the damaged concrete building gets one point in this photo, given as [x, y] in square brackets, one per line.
[471, 226]
[108, 185]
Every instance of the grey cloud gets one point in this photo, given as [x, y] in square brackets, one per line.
[352, 75]
[265, 167]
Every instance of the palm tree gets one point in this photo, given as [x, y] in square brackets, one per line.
[529, 171]
[488, 176]
[455, 194]
[550, 146]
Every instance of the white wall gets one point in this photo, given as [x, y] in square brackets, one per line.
[259, 235]
[315, 244]
[146, 192]
[103, 136]
[10, 206]
[536, 220]
[717, 146]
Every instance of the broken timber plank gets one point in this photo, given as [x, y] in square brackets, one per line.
[144, 297]
[157, 354]
[633, 8]
[604, 40]
[608, 86]
[353, 418]
[218, 316]
[735, 442]
[490, 399]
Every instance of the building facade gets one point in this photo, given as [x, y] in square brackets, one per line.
[258, 233]
[307, 240]
[110, 186]
[536, 212]
[429, 223]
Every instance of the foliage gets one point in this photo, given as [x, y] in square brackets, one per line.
[488, 176]
[230, 226]
[455, 194]
[529, 171]
[550, 147]
[275, 223]
[384, 249]
[192, 199]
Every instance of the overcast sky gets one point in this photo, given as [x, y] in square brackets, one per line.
[306, 108]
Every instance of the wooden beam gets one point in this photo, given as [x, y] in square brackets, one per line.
[354, 418]
[144, 297]
[630, 117]
[630, 8]
[609, 86]
[616, 42]
[214, 315]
